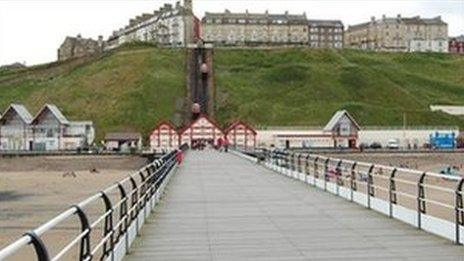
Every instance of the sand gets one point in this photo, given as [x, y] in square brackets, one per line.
[36, 189]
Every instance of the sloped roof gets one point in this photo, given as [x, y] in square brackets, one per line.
[215, 124]
[55, 111]
[118, 136]
[164, 122]
[233, 125]
[337, 117]
[314, 22]
[21, 110]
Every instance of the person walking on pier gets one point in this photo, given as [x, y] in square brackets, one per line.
[226, 144]
[220, 142]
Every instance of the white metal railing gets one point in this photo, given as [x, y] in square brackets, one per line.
[126, 205]
[429, 201]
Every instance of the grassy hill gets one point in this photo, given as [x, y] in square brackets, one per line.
[127, 90]
[306, 86]
[134, 87]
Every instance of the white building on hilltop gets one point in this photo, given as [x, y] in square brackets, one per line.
[173, 26]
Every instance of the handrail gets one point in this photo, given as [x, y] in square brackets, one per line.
[138, 196]
[395, 185]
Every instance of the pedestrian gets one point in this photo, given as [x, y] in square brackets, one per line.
[220, 142]
[226, 144]
[179, 156]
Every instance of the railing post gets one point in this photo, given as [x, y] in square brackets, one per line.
[123, 215]
[134, 199]
[293, 168]
[307, 168]
[338, 173]
[287, 162]
[392, 192]
[299, 166]
[420, 200]
[315, 171]
[370, 189]
[85, 251]
[459, 209]
[39, 246]
[108, 226]
[353, 184]
[326, 170]
[143, 189]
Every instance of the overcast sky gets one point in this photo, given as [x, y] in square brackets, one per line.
[32, 30]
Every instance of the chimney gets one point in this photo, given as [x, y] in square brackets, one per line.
[79, 36]
[188, 5]
[100, 41]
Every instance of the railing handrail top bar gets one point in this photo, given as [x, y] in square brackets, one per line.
[15, 246]
[365, 164]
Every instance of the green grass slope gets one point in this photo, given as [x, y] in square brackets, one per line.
[128, 90]
[306, 86]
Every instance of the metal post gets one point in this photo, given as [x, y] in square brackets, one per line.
[134, 199]
[369, 186]
[39, 246]
[338, 173]
[108, 226]
[459, 209]
[299, 166]
[420, 200]
[293, 167]
[85, 251]
[307, 168]
[326, 170]
[315, 171]
[353, 185]
[392, 191]
[122, 212]
[143, 189]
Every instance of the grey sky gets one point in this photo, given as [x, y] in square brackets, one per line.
[32, 30]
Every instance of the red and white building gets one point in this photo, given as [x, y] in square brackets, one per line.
[204, 130]
[241, 134]
[164, 137]
[456, 45]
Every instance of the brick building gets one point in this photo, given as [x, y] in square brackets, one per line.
[456, 44]
[325, 33]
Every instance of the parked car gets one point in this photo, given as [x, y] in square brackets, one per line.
[376, 145]
[393, 144]
[363, 145]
